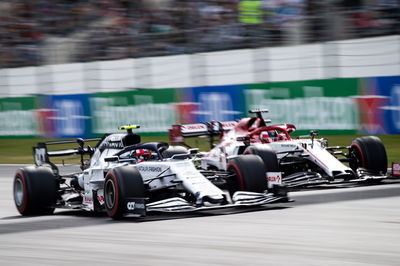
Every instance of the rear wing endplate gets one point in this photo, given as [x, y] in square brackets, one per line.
[42, 155]
[178, 133]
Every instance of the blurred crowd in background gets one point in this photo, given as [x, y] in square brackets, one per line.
[36, 32]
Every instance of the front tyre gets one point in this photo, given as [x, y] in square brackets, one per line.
[248, 174]
[369, 153]
[35, 190]
[267, 154]
[121, 183]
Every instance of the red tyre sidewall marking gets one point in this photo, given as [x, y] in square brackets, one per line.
[116, 201]
[24, 204]
[361, 153]
[239, 174]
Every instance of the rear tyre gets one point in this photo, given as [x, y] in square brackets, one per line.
[173, 150]
[369, 153]
[268, 156]
[248, 174]
[121, 183]
[35, 190]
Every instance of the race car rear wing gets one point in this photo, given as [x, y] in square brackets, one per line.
[42, 155]
[178, 133]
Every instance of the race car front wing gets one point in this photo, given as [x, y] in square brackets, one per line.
[239, 199]
[308, 179]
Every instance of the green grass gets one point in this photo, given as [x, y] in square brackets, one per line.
[20, 150]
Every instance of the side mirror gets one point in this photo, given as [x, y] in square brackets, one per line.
[180, 156]
[111, 159]
[193, 151]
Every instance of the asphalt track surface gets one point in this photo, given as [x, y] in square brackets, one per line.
[330, 226]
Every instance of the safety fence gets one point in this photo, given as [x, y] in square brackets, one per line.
[367, 57]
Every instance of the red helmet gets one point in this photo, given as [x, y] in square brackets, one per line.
[142, 154]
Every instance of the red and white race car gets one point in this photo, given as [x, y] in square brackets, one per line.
[296, 162]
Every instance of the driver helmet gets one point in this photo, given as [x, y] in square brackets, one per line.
[142, 154]
[268, 136]
[264, 137]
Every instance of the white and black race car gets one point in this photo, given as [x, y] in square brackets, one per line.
[123, 176]
[295, 162]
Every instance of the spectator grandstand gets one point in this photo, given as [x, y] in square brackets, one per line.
[36, 32]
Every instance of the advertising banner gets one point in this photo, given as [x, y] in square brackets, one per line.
[64, 116]
[348, 106]
[389, 89]
[315, 104]
[17, 117]
[154, 110]
[219, 103]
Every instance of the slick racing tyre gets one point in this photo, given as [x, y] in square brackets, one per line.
[369, 153]
[35, 190]
[173, 150]
[120, 183]
[268, 156]
[248, 174]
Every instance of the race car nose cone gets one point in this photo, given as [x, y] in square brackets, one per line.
[214, 199]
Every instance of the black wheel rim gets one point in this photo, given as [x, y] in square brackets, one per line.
[232, 181]
[109, 194]
[355, 156]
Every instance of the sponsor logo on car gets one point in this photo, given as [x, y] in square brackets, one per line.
[193, 128]
[289, 145]
[131, 205]
[228, 125]
[113, 145]
[149, 168]
[274, 178]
